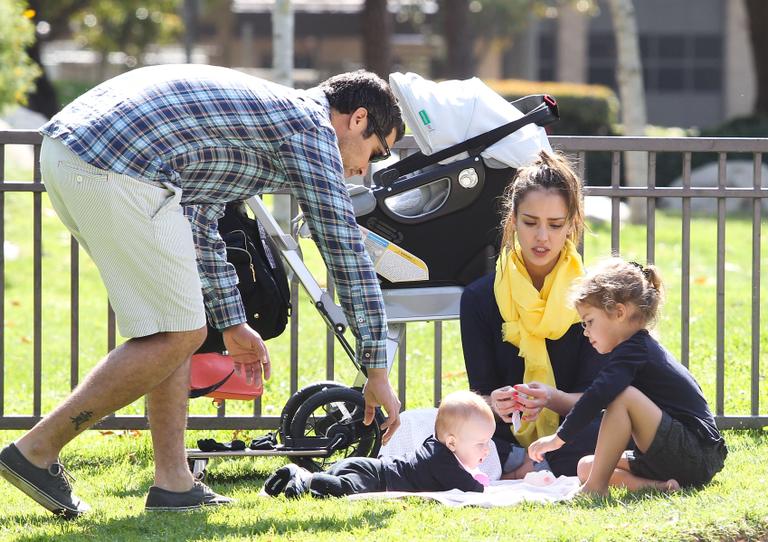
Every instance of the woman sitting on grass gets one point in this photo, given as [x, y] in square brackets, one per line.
[646, 393]
[523, 347]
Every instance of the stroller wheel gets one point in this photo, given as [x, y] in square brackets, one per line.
[336, 413]
[296, 400]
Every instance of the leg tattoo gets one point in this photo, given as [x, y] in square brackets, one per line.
[81, 418]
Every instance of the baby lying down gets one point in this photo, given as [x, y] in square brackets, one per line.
[448, 460]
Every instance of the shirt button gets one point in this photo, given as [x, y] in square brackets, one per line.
[361, 319]
[367, 355]
[79, 178]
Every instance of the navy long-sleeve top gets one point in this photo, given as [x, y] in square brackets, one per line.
[642, 362]
[432, 467]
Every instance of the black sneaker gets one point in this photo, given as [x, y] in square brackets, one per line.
[291, 480]
[49, 487]
[162, 500]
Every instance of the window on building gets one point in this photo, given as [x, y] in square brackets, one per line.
[671, 63]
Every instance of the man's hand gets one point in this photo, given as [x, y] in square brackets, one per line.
[378, 392]
[538, 448]
[248, 352]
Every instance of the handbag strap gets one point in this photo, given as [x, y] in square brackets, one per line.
[199, 392]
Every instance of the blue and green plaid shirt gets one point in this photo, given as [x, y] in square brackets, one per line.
[224, 136]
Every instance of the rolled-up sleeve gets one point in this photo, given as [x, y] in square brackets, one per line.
[217, 276]
[316, 176]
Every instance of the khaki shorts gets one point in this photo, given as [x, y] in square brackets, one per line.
[138, 237]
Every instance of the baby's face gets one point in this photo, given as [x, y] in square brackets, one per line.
[471, 440]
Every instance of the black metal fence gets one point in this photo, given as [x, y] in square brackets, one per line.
[581, 147]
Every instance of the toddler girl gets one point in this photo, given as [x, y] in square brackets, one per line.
[647, 395]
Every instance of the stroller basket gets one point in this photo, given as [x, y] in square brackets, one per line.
[448, 215]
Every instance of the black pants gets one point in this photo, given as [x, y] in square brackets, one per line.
[349, 476]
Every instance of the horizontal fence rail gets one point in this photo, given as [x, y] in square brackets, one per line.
[579, 147]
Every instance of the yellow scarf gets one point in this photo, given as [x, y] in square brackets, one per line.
[529, 319]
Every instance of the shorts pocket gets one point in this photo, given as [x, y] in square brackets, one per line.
[82, 172]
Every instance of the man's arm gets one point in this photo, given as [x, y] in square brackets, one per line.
[218, 277]
[222, 298]
[313, 167]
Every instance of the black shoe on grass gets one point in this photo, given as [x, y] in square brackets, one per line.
[290, 480]
[49, 487]
[162, 500]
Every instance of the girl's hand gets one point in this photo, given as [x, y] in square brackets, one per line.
[538, 448]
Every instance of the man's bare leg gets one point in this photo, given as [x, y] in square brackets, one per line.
[167, 405]
[632, 413]
[125, 374]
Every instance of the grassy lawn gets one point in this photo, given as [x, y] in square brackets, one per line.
[113, 470]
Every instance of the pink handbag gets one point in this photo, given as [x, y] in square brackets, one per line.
[213, 375]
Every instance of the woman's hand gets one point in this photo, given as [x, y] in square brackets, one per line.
[532, 398]
[503, 403]
[538, 448]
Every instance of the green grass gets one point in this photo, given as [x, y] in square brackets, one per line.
[114, 470]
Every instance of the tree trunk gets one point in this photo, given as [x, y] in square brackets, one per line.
[43, 98]
[282, 42]
[629, 75]
[282, 66]
[460, 61]
[377, 37]
[757, 11]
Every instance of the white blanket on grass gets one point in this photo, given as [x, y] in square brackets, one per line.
[499, 493]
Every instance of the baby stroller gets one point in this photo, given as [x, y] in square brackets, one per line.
[412, 203]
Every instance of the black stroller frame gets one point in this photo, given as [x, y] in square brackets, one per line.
[315, 441]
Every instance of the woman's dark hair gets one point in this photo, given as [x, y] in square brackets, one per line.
[549, 172]
[348, 91]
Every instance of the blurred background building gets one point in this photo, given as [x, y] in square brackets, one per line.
[697, 60]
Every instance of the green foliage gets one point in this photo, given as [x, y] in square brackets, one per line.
[17, 71]
[129, 26]
[584, 109]
[669, 166]
[69, 89]
[505, 18]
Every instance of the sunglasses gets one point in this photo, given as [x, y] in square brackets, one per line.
[379, 156]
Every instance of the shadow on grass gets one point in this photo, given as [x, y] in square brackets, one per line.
[198, 525]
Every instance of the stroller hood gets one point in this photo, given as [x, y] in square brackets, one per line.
[443, 114]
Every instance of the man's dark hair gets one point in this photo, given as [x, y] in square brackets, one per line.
[348, 91]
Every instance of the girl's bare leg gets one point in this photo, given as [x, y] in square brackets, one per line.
[623, 477]
[632, 413]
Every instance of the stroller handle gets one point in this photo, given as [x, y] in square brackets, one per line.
[542, 111]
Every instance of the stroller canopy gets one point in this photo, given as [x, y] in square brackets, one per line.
[443, 114]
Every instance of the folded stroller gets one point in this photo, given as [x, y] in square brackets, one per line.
[441, 205]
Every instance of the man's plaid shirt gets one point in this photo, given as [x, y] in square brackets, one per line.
[224, 136]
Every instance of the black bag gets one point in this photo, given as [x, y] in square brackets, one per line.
[263, 283]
